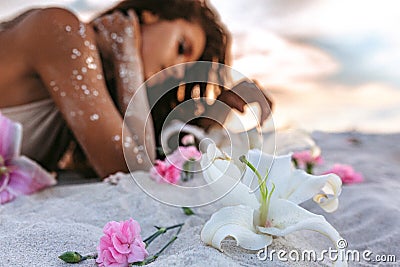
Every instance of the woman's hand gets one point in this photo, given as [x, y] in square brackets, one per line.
[237, 97]
[119, 36]
[245, 93]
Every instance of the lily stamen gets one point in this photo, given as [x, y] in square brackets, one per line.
[265, 195]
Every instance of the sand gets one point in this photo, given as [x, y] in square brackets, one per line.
[35, 229]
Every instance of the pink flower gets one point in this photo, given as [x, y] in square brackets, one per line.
[19, 175]
[188, 140]
[304, 159]
[183, 154]
[169, 170]
[121, 244]
[165, 172]
[346, 173]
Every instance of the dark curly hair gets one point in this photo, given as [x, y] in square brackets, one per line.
[196, 11]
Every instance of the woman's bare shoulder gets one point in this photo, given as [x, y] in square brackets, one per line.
[48, 34]
[44, 24]
[53, 16]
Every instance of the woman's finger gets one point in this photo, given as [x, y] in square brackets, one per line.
[136, 26]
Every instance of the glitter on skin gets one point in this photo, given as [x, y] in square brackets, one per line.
[94, 117]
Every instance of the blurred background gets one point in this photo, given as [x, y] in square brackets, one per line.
[329, 65]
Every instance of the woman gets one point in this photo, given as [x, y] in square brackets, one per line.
[60, 74]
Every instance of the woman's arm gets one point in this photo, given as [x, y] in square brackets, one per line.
[63, 52]
[119, 38]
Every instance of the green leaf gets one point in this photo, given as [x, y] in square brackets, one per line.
[188, 211]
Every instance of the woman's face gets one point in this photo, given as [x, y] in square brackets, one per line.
[166, 43]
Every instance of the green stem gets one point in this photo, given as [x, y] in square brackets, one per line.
[187, 167]
[261, 181]
[296, 164]
[89, 257]
[151, 238]
[266, 196]
[309, 168]
[160, 231]
[155, 256]
[172, 227]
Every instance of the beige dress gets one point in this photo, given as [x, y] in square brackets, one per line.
[45, 133]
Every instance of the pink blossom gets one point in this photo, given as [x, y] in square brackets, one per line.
[346, 173]
[121, 244]
[169, 170]
[165, 172]
[188, 140]
[19, 175]
[183, 154]
[304, 158]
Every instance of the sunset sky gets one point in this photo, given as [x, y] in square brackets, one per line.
[329, 65]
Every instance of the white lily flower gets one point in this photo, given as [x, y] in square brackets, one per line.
[258, 209]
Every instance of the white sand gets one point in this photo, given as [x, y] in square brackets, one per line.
[35, 229]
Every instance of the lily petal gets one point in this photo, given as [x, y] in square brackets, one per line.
[325, 189]
[224, 179]
[293, 184]
[10, 138]
[26, 176]
[278, 167]
[332, 187]
[287, 217]
[237, 222]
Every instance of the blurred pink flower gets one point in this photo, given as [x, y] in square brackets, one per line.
[305, 157]
[19, 175]
[183, 154]
[169, 170]
[346, 173]
[188, 140]
[164, 172]
[121, 244]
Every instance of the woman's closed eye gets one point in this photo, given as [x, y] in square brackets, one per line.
[184, 48]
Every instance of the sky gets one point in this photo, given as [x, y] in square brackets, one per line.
[330, 65]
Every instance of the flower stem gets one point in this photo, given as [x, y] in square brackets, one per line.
[155, 256]
[89, 257]
[151, 238]
[296, 164]
[309, 168]
[187, 170]
[160, 231]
